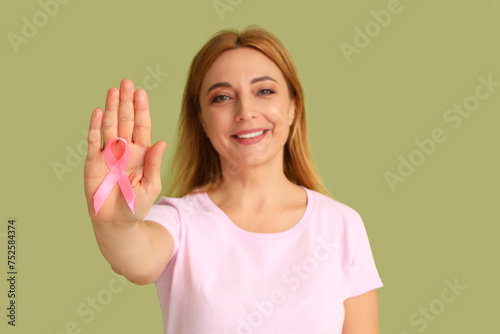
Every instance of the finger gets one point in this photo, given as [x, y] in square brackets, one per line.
[126, 110]
[142, 127]
[152, 166]
[94, 136]
[110, 121]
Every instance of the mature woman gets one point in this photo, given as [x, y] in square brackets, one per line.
[252, 243]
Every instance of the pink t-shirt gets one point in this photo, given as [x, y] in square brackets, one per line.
[222, 279]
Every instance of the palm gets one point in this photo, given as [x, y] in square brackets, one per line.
[126, 114]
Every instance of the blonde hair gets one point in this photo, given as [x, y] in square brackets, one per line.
[196, 164]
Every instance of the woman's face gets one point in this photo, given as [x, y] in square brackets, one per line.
[245, 90]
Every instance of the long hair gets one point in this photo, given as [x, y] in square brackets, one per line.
[196, 164]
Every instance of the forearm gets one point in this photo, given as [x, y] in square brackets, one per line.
[127, 248]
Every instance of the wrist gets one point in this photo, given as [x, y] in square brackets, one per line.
[114, 224]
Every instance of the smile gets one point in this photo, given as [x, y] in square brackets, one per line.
[250, 138]
[251, 135]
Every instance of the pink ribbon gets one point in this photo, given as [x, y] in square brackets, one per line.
[115, 174]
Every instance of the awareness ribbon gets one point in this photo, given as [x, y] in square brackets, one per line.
[115, 174]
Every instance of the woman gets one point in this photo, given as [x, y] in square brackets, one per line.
[253, 243]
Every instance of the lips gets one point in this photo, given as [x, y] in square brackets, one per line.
[244, 132]
[252, 140]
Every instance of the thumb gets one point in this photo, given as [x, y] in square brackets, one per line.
[152, 166]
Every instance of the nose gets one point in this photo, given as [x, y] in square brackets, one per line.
[245, 108]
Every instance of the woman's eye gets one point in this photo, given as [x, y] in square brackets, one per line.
[266, 89]
[220, 98]
[216, 99]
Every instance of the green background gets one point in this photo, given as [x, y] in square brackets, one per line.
[439, 224]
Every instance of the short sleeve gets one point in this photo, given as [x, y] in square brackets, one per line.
[167, 214]
[364, 274]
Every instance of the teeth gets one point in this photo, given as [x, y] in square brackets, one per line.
[251, 135]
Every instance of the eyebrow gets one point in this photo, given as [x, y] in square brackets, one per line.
[226, 84]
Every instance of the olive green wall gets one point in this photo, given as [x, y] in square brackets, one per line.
[402, 101]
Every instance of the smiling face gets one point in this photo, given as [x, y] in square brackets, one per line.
[245, 90]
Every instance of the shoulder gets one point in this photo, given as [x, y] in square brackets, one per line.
[327, 205]
[187, 204]
[332, 216]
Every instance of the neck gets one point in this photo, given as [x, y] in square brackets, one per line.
[254, 188]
